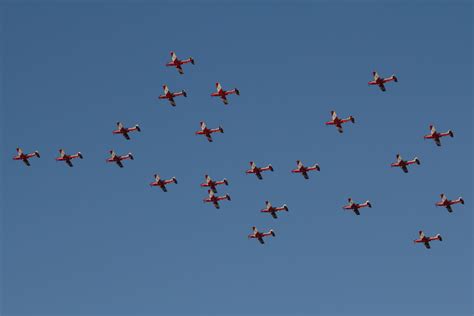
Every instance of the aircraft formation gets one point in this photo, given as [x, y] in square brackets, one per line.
[212, 185]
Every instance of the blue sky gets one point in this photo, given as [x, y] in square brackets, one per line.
[97, 240]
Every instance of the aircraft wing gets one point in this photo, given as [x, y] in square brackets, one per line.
[382, 87]
[119, 163]
[437, 141]
[209, 138]
[69, 163]
[224, 99]
[274, 215]
[26, 162]
[449, 208]
[427, 245]
[172, 102]
[299, 164]
[216, 204]
[305, 175]
[180, 69]
[405, 169]
[259, 175]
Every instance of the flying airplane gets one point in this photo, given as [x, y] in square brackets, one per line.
[304, 170]
[162, 183]
[273, 210]
[213, 184]
[404, 163]
[175, 62]
[215, 199]
[167, 94]
[355, 207]
[223, 93]
[68, 158]
[24, 157]
[258, 171]
[125, 130]
[118, 159]
[258, 235]
[437, 136]
[379, 81]
[208, 131]
[426, 240]
[338, 121]
[447, 203]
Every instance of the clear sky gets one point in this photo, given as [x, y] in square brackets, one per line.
[97, 240]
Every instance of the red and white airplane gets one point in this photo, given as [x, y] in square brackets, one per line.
[215, 199]
[223, 93]
[426, 240]
[118, 159]
[162, 183]
[353, 206]
[67, 158]
[258, 235]
[125, 130]
[405, 163]
[338, 121]
[447, 203]
[436, 136]
[208, 131]
[258, 171]
[167, 94]
[24, 157]
[379, 81]
[212, 184]
[273, 210]
[304, 170]
[175, 62]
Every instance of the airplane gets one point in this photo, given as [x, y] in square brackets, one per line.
[175, 62]
[426, 240]
[258, 171]
[162, 183]
[404, 163]
[118, 159]
[24, 157]
[379, 81]
[258, 235]
[355, 207]
[208, 131]
[304, 170]
[273, 210]
[167, 94]
[447, 203]
[68, 158]
[436, 136]
[223, 93]
[215, 199]
[125, 130]
[338, 121]
[212, 184]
